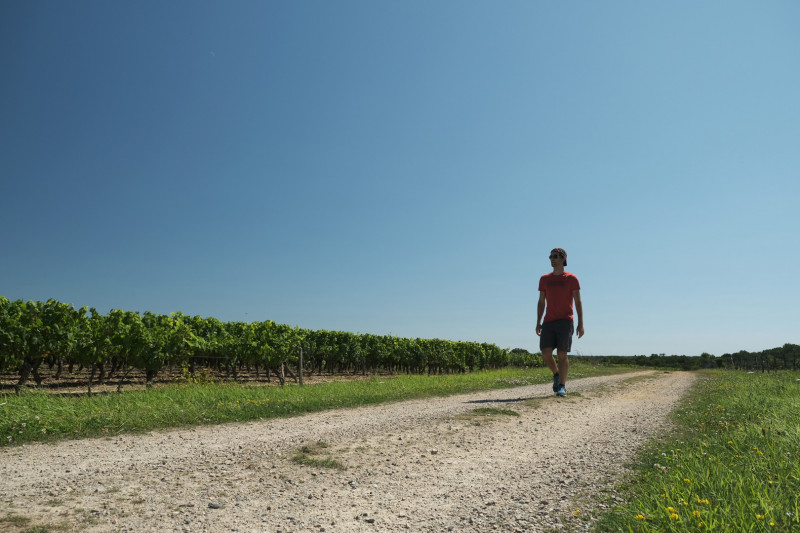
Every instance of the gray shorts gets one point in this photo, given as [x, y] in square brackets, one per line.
[557, 334]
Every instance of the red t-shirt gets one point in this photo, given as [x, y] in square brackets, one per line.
[558, 295]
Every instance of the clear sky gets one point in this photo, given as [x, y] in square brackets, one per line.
[405, 167]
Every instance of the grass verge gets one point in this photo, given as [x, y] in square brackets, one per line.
[35, 415]
[732, 465]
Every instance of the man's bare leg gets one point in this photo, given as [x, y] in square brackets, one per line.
[563, 365]
[549, 360]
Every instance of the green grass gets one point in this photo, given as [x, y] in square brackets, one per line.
[15, 520]
[489, 411]
[308, 455]
[36, 415]
[732, 465]
[22, 524]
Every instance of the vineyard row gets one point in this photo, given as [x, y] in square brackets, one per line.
[60, 336]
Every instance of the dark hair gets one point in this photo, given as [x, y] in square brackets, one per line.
[561, 252]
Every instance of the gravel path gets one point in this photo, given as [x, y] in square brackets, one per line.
[423, 465]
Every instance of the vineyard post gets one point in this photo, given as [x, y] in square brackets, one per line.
[300, 367]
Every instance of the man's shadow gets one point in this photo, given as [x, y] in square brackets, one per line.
[510, 400]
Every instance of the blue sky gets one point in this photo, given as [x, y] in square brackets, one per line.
[405, 167]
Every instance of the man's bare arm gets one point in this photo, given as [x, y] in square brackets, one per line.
[540, 313]
[576, 295]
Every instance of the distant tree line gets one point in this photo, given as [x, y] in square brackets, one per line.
[656, 360]
[786, 357]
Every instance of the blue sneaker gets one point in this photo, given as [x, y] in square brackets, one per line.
[555, 382]
[562, 391]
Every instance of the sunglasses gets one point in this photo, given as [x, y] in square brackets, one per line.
[556, 257]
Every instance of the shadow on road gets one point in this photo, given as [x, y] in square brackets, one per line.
[510, 400]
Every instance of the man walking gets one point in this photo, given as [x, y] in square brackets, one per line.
[557, 290]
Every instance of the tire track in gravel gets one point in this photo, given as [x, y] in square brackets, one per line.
[418, 465]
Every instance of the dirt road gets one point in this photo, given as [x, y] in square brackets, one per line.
[429, 465]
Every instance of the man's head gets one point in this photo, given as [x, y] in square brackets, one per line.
[558, 253]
